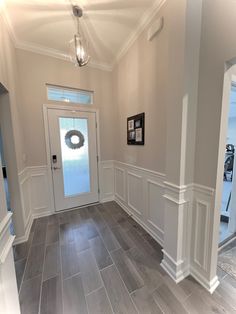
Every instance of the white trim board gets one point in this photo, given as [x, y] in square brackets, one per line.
[150, 215]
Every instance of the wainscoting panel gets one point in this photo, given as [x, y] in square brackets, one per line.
[25, 195]
[155, 207]
[135, 193]
[106, 181]
[9, 301]
[140, 192]
[202, 233]
[39, 186]
[35, 196]
[120, 183]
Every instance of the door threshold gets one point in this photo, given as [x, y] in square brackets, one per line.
[74, 208]
[227, 241]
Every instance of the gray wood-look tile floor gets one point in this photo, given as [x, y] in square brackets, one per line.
[99, 260]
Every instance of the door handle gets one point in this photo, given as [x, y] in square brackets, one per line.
[56, 168]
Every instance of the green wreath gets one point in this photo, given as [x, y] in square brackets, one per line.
[68, 139]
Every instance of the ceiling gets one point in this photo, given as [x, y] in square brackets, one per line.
[47, 26]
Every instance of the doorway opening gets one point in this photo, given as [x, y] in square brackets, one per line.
[72, 151]
[226, 175]
[7, 151]
[228, 204]
[4, 172]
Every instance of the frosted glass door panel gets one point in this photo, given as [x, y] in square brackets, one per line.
[75, 155]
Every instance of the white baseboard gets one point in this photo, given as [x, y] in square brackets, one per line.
[143, 195]
[173, 269]
[208, 285]
[25, 238]
[140, 222]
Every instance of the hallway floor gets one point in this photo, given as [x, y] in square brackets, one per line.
[99, 260]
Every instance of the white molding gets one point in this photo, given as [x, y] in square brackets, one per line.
[106, 181]
[208, 285]
[198, 229]
[176, 270]
[6, 249]
[150, 213]
[7, 21]
[121, 197]
[139, 221]
[131, 174]
[202, 189]
[49, 52]
[25, 237]
[143, 23]
[160, 175]
[4, 224]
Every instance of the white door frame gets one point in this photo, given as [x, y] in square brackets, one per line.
[69, 107]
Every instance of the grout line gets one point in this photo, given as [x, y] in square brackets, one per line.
[100, 236]
[27, 259]
[95, 290]
[41, 286]
[72, 276]
[125, 286]
[61, 274]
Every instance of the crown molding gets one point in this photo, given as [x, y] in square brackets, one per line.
[7, 21]
[50, 52]
[144, 21]
[57, 54]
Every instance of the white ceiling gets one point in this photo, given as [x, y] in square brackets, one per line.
[47, 26]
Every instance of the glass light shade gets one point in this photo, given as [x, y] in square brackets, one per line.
[79, 51]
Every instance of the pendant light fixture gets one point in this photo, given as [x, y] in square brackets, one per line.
[79, 44]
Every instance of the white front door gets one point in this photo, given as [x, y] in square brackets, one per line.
[73, 148]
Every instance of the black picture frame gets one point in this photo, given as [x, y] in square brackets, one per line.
[136, 129]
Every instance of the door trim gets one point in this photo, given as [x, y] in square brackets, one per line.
[69, 107]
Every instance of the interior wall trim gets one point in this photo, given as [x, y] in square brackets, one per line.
[143, 23]
[27, 46]
[193, 202]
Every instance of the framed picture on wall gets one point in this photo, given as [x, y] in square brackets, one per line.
[135, 129]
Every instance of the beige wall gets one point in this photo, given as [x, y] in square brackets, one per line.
[34, 72]
[218, 45]
[9, 110]
[140, 85]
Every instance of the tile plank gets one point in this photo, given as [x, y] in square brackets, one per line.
[118, 295]
[69, 260]
[52, 261]
[145, 302]
[127, 270]
[109, 239]
[21, 250]
[167, 301]
[35, 260]
[98, 302]
[52, 235]
[122, 237]
[51, 300]
[100, 252]
[81, 240]
[20, 268]
[30, 295]
[40, 231]
[90, 275]
[148, 268]
[73, 296]
[66, 234]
